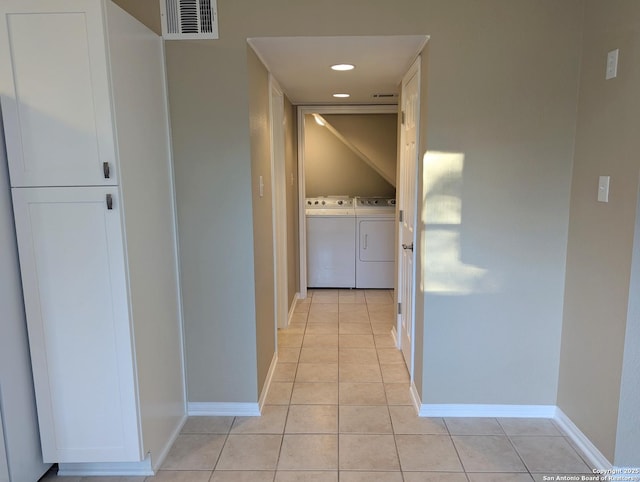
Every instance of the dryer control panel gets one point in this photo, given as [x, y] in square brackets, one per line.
[375, 202]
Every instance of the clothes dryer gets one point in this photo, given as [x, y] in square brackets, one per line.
[376, 234]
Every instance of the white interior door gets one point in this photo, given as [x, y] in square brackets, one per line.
[407, 200]
[278, 179]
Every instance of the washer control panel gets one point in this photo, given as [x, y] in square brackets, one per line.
[329, 202]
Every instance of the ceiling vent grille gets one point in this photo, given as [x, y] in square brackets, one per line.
[384, 96]
[189, 19]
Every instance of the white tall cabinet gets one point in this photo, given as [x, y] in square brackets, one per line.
[85, 116]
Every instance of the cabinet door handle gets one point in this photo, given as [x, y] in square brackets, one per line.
[106, 170]
[109, 201]
[366, 241]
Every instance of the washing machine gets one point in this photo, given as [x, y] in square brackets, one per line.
[331, 242]
[376, 234]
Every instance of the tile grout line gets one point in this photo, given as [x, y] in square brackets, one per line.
[226, 438]
[516, 450]
[455, 447]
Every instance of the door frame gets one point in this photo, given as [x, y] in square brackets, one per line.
[303, 110]
[279, 203]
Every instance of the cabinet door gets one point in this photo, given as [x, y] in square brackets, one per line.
[55, 93]
[73, 275]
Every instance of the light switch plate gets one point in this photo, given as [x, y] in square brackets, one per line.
[603, 189]
[612, 64]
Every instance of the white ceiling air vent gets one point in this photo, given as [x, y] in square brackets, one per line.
[189, 19]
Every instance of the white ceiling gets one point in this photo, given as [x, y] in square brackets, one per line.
[302, 66]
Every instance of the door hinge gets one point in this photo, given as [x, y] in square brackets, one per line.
[399, 308]
[401, 215]
[402, 118]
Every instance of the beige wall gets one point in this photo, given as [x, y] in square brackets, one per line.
[332, 168]
[146, 11]
[260, 129]
[601, 236]
[502, 81]
[213, 200]
[504, 97]
[291, 174]
[374, 135]
[212, 158]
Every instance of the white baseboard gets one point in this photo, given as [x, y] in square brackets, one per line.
[147, 467]
[156, 462]
[292, 308]
[215, 409]
[473, 410]
[415, 398]
[396, 339]
[267, 382]
[592, 454]
[130, 469]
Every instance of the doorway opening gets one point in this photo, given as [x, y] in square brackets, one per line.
[301, 67]
[347, 188]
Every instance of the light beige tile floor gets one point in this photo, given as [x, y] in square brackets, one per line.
[339, 409]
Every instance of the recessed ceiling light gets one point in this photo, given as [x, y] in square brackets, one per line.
[342, 96]
[343, 67]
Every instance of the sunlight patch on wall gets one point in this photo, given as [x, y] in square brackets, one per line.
[443, 270]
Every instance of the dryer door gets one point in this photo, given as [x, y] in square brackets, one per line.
[377, 239]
